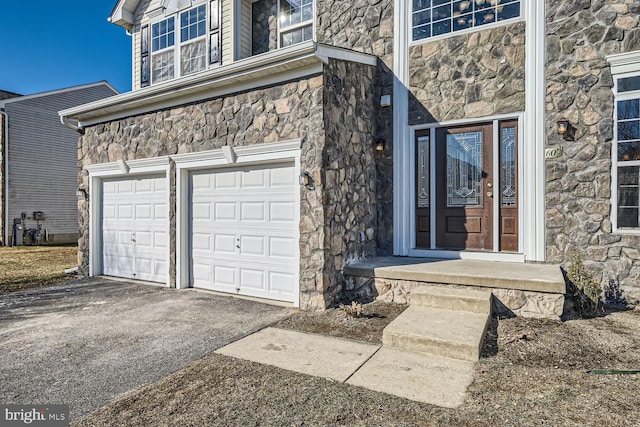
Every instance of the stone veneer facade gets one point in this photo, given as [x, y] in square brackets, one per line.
[580, 34]
[467, 76]
[337, 216]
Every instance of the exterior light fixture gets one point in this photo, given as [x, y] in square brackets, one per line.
[566, 130]
[379, 146]
[307, 180]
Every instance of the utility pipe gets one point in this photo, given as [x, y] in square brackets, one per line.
[5, 174]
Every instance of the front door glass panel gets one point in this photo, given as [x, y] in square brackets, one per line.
[464, 169]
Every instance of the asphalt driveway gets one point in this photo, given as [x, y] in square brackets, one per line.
[85, 342]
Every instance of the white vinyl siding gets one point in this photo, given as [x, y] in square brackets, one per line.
[227, 31]
[43, 165]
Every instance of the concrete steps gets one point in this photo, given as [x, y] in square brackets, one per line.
[446, 322]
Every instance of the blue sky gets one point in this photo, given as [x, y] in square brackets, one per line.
[47, 45]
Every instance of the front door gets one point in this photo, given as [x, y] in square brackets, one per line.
[473, 205]
[464, 188]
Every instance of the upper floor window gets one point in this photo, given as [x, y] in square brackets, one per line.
[627, 119]
[183, 50]
[431, 18]
[296, 21]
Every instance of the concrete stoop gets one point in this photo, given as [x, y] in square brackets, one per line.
[442, 322]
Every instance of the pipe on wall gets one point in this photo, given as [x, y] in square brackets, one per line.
[5, 172]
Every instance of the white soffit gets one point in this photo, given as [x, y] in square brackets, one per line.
[123, 13]
[273, 67]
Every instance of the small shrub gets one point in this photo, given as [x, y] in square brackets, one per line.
[354, 310]
[583, 286]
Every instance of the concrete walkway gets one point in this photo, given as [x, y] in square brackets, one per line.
[435, 380]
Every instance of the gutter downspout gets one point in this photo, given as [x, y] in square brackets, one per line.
[5, 174]
[78, 128]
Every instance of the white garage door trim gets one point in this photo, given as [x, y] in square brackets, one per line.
[124, 169]
[256, 155]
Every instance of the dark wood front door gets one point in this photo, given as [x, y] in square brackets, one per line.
[464, 187]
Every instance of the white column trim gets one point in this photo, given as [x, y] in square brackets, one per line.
[401, 136]
[534, 131]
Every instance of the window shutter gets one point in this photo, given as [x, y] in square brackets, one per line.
[145, 66]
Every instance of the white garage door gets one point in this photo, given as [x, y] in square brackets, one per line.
[135, 227]
[244, 230]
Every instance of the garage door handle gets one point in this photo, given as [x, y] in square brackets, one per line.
[238, 246]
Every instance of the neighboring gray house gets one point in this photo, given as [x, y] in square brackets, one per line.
[417, 129]
[38, 161]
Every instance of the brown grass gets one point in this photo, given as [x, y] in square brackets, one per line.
[24, 267]
[532, 374]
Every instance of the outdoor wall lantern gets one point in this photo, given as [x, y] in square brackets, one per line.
[379, 146]
[566, 130]
[307, 180]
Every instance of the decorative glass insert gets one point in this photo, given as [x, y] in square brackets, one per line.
[296, 21]
[628, 124]
[628, 196]
[508, 180]
[436, 17]
[423, 172]
[464, 169]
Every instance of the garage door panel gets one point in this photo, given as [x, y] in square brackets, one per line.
[252, 279]
[134, 227]
[125, 187]
[224, 276]
[201, 211]
[281, 282]
[282, 247]
[224, 180]
[125, 211]
[225, 211]
[224, 244]
[282, 212]
[252, 179]
[252, 245]
[252, 211]
[283, 177]
[253, 229]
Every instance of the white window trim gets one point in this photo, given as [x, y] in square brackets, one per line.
[177, 42]
[225, 157]
[122, 168]
[313, 20]
[412, 42]
[532, 154]
[622, 66]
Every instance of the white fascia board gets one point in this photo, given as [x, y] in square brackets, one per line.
[123, 14]
[135, 166]
[254, 68]
[325, 52]
[622, 63]
[256, 152]
[273, 67]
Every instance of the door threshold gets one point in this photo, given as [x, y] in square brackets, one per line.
[136, 281]
[475, 255]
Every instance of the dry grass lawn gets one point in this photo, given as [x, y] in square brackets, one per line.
[24, 267]
[533, 373]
